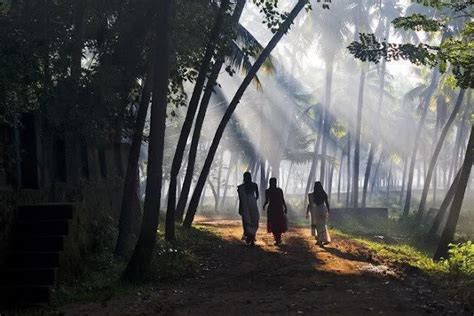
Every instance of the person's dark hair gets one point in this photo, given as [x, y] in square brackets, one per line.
[273, 182]
[247, 177]
[248, 182]
[319, 194]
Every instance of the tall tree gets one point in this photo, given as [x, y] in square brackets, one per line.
[436, 152]
[421, 123]
[448, 233]
[188, 121]
[130, 206]
[282, 29]
[355, 172]
[141, 258]
[216, 69]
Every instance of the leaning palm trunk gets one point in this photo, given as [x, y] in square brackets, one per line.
[460, 133]
[284, 27]
[434, 158]
[183, 198]
[431, 235]
[130, 201]
[448, 233]
[188, 121]
[141, 258]
[411, 171]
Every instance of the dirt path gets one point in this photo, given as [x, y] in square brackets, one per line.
[296, 278]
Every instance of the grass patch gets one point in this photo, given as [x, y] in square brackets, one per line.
[453, 276]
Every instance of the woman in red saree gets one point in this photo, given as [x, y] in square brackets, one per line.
[276, 218]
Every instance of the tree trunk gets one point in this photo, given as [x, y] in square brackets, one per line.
[348, 183]
[142, 255]
[327, 115]
[227, 178]
[376, 173]
[214, 193]
[189, 119]
[183, 198]
[448, 233]
[402, 189]
[355, 173]
[129, 207]
[419, 130]
[331, 174]
[367, 174]
[460, 133]
[339, 177]
[431, 235]
[288, 177]
[219, 175]
[284, 27]
[312, 171]
[389, 179]
[436, 153]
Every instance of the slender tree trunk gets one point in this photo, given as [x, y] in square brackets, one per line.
[341, 161]
[367, 174]
[227, 178]
[327, 115]
[355, 174]
[448, 233]
[183, 198]
[331, 174]
[436, 153]
[288, 177]
[129, 207]
[312, 171]
[402, 189]
[376, 173]
[348, 183]
[214, 193]
[460, 133]
[142, 255]
[431, 235]
[419, 130]
[389, 179]
[284, 27]
[188, 121]
[219, 176]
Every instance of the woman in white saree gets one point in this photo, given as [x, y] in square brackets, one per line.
[319, 208]
[248, 209]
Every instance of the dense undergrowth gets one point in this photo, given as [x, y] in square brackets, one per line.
[101, 279]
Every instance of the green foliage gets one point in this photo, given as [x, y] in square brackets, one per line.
[417, 22]
[458, 52]
[461, 258]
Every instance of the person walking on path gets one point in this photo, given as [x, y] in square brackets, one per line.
[276, 218]
[319, 208]
[248, 209]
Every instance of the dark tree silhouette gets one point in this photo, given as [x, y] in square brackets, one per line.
[448, 233]
[282, 29]
[140, 261]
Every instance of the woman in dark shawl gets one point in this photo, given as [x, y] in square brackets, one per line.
[248, 209]
[276, 219]
[319, 208]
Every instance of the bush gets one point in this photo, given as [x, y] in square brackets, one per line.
[461, 258]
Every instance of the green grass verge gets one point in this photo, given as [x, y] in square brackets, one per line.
[454, 276]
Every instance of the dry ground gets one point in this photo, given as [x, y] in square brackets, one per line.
[294, 279]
